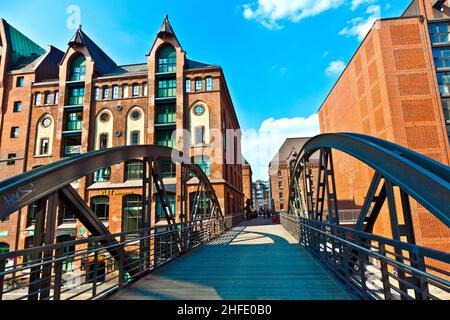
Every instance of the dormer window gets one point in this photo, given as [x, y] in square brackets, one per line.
[78, 69]
[167, 59]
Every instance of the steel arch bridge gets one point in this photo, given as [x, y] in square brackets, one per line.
[350, 253]
[370, 266]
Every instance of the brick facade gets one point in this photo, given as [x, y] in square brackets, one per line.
[79, 123]
[390, 90]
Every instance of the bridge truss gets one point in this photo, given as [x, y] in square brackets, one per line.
[373, 267]
[116, 259]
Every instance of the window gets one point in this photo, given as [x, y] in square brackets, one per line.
[102, 175]
[281, 206]
[76, 96]
[14, 132]
[280, 184]
[134, 170]
[104, 117]
[441, 57]
[74, 121]
[199, 110]
[203, 207]
[167, 88]
[281, 195]
[135, 138]
[145, 89]
[20, 82]
[56, 97]
[166, 114]
[167, 59]
[105, 93]
[209, 84]
[97, 94]
[11, 162]
[66, 215]
[115, 92]
[164, 138]
[78, 69]
[160, 214]
[46, 122]
[44, 146]
[32, 211]
[38, 99]
[103, 143]
[198, 84]
[204, 163]
[167, 168]
[48, 99]
[199, 135]
[131, 212]
[188, 86]
[125, 91]
[279, 174]
[439, 32]
[17, 106]
[135, 90]
[135, 115]
[444, 82]
[100, 205]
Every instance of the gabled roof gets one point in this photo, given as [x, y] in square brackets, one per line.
[289, 146]
[103, 63]
[23, 51]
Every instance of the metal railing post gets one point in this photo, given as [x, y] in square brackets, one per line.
[2, 277]
[385, 273]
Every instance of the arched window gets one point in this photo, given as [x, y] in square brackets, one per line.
[78, 69]
[131, 212]
[167, 59]
[100, 205]
[134, 170]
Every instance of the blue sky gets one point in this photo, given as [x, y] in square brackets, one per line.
[280, 57]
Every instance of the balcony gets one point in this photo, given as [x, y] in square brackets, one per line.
[72, 150]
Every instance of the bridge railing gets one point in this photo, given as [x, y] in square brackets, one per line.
[84, 269]
[370, 265]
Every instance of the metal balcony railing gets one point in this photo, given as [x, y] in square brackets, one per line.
[84, 269]
[72, 150]
[370, 265]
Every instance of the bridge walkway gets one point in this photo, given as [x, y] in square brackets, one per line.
[255, 260]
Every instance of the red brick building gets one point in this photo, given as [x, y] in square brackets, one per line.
[56, 104]
[396, 87]
[280, 171]
[247, 175]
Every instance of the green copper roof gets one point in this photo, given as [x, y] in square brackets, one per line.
[21, 46]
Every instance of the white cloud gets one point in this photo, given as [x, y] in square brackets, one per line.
[269, 12]
[361, 26]
[357, 3]
[260, 146]
[335, 68]
[280, 69]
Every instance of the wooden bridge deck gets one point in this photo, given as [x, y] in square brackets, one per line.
[257, 260]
